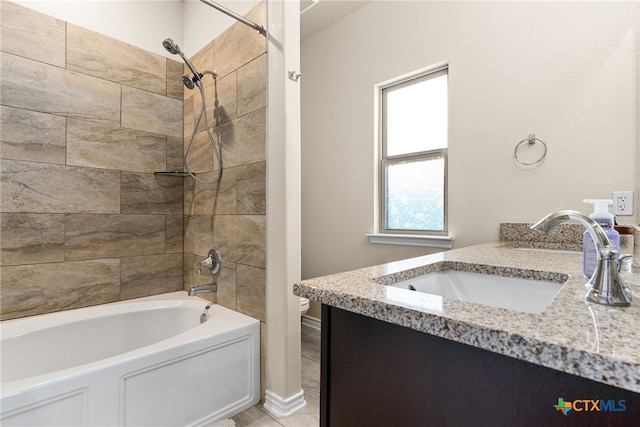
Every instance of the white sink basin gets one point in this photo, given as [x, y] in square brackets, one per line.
[527, 295]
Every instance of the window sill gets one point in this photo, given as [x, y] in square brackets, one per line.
[445, 242]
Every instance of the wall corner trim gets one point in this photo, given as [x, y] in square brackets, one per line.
[283, 407]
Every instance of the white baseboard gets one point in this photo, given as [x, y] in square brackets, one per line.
[312, 322]
[281, 407]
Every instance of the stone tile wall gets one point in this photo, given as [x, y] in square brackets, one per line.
[230, 215]
[85, 121]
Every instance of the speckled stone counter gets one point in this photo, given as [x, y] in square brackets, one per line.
[585, 339]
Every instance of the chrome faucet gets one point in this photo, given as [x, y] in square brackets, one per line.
[605, 286]
[214, 263]
[195, 290]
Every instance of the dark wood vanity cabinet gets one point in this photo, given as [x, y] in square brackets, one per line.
[375, 373]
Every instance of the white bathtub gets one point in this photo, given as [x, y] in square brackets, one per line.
[144, 362]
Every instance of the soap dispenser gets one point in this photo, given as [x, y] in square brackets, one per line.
[602, 216]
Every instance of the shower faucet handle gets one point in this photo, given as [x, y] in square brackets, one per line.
[213, 262]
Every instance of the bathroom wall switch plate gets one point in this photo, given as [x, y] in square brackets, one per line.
[623, 202]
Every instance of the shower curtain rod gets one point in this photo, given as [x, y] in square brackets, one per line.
[258, 28]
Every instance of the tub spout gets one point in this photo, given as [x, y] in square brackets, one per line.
[605, 286]
[195, 290]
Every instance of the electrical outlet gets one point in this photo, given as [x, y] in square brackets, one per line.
[623, 202]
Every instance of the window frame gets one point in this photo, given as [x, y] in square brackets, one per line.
[385, 160]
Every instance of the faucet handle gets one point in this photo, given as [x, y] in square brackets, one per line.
[207, 262]
[624, 259]
[213, 262]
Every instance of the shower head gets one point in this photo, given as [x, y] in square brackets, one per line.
[188, 82]
[173, 48]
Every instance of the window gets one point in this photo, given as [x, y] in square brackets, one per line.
[413, 161]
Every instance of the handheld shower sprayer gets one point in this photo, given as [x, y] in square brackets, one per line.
[190, 82]
[171, 46]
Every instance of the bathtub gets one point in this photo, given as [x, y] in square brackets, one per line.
[144, 362]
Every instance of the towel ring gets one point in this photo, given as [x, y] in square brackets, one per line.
[531, 140]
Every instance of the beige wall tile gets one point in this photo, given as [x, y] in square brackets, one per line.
[226, 195]
[203, 60]
[222, 99]
[48, 188]
[251, 285]
[212, 98]
[90, 236]
[32, 34]
[252, 93]
[198, 197]
[251, 189]
[226, 295]
[197, 234]
[151, 112]
[150, 194]
[188, 269]
[209, 198]
[241, 238]
[174, 229]
[20, 299]
[31, 238]
[174, 154]
[188, 115]
[32, 136]
[200, 156]
[207, 119]
[243, 139]
[149, 275]
[41, 87]
[175, 87]
[97, 55]
[239, 44]
[31, 289]
[242, 190]
[112, 147]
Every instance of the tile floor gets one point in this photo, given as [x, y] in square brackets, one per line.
[309, 416]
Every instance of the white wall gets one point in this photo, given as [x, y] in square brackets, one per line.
[145, 23]
[566, 71]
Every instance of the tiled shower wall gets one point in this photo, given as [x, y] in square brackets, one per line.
[85, 121]
[230, 216]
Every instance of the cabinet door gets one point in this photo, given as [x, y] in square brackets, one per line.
[374, 373]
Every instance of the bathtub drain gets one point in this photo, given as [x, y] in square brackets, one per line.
[205, 314]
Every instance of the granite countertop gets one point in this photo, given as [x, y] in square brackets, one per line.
[585, 339]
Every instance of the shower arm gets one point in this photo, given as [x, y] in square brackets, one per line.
[258, 28]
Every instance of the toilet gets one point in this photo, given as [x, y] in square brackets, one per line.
[304, 306]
